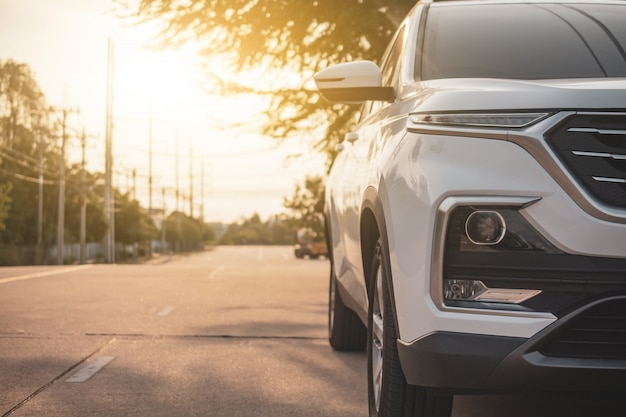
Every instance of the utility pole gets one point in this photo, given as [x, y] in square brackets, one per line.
[61, 208]
[109, 198]
[40, 200]
[202, 192]
[177, 246]
[190, 181]
[134, 184]
[150, 174]
[83, 203]
[177, 176]
[163, 241]
[150, 163]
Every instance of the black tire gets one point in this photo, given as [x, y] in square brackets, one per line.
[388, 392]
[346, 331]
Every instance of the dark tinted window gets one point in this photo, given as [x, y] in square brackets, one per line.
[525, 41]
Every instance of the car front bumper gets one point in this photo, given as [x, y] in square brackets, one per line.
[562, 357]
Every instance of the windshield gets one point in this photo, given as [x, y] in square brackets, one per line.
[524, 41]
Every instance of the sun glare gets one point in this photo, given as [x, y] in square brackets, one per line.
[167, 93]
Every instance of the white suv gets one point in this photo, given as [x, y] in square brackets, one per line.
[476, 215]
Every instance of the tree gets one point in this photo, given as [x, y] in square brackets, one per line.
[5, 203]
[253, 231]
[132, 222]
[22, 114]
[95, 216]
[22, 103]
[307, 203]
[187, 233]
[25, 132]
[266, 40]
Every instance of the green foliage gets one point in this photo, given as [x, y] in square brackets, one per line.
[276, 38]
[24, 131]
[96, 220]
[307, 205]
[253, 231]
[132, 222]
[187, 233]
[30, 147]
[5, 203]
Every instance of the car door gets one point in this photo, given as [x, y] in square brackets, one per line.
[359, 169]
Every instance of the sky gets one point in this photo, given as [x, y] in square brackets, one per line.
[158, 94]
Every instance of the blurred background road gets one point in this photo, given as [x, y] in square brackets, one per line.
[237, 331]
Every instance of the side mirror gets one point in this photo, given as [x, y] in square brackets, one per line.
[353, 82]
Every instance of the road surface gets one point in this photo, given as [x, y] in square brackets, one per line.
[236, 331]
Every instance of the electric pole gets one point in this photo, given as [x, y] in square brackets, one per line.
[150, 163]
[83, 203]
[202, 192]
[176, 164]
[109, 197]
[40, 200]
[177, 246]
[61, 207]
[190, 181]
[163, 241]
[134, 193]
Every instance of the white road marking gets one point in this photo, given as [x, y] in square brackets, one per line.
[214, 273]
[43, 274]
[90, 370]
[166, 311]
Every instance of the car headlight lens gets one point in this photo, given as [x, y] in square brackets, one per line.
[501, 120]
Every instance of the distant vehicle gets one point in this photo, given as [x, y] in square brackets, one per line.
[477, 211]
[310, 243]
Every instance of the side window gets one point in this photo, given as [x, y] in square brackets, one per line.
[391, 65]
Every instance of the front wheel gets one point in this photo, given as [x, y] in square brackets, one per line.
[389, 393]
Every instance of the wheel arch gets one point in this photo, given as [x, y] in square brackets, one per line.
[372, 228]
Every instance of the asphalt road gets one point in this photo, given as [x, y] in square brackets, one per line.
[238, 331]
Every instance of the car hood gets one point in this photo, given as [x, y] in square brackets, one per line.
[452, 95]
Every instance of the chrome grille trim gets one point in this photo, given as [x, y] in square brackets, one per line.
[591, 148]
[612, 180]
[598, 131]
[617, 157]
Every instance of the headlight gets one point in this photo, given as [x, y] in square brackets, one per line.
[501, 120]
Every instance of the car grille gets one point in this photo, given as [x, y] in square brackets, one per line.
[598, 333]
[593, 147]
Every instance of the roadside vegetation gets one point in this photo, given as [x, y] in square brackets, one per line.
[283, 43]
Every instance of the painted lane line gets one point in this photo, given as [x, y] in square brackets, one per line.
[44, 274]
[166, 311]
[214, 273]
[90, 370]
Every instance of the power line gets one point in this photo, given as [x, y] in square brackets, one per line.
[29, 179]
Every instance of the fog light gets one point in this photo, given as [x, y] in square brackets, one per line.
[463, 289]
[485, 227]
[475, 290]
